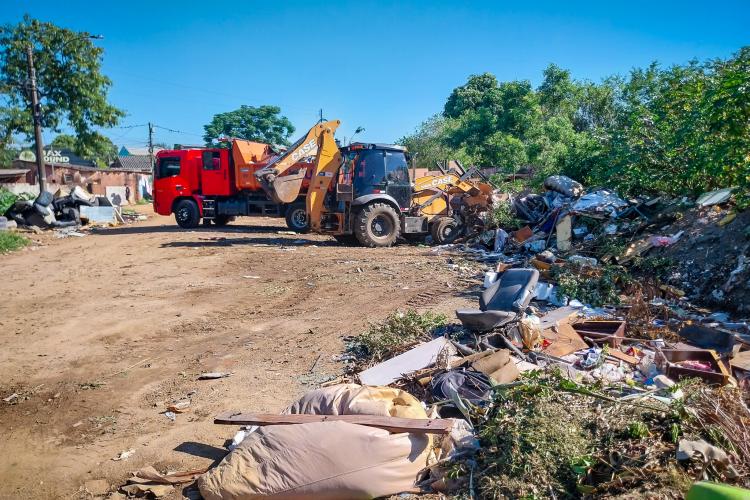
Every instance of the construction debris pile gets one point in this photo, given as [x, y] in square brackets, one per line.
[64, 211]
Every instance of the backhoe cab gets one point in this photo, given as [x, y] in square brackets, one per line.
[363, 191]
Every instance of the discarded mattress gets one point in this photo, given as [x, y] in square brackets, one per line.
[354, 399]
[318, 460]
[326, 459]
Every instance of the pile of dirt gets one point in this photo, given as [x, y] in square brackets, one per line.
[710, 261]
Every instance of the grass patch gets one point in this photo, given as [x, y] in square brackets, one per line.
[396, 334]
[10, 241]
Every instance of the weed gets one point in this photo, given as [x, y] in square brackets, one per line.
[591, 288]
[638, 430]
[653, 267]
[10, 241]
[529, 451]
[399, 331]
[502, 216]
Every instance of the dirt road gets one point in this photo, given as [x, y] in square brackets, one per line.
[99, 334]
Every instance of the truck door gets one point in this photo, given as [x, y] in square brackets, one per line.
[169, 182]
[398, 184]
[215, 179]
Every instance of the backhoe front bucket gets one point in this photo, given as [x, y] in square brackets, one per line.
[286, 188]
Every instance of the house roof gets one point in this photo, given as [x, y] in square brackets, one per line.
[129, 151]
[13, 172]
[139, 163]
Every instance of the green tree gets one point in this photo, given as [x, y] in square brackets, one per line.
[557, 92]
[427, 144]
[261, 124]
[64, 141]
[71, 86]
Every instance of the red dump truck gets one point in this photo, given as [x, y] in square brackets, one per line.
[218, 184]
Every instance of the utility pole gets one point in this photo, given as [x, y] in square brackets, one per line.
[36, 113]
[321, 115]
[151, 145]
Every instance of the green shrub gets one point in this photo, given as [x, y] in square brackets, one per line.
[399, 331]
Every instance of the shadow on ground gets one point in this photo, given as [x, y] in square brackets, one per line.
[202, 450]
[228, 242]
[177, 229]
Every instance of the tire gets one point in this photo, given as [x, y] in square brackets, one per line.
[186, 214]
[377, 225]
[444, 230]
[296, 217]
[223, 220]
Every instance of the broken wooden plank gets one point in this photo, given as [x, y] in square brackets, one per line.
[391, 424]
[563, 340]
[615, 353]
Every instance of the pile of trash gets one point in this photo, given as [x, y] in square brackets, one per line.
[64, 211]
[476, 408]
[569, 379]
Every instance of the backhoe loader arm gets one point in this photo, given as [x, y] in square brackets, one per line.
[285, 188]
[444, 182]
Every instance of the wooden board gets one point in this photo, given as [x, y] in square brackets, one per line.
[564, 340]
[741, 360]
[616, 353]
[560, 315]
[391, 424]
[414, 359]
[564, 231]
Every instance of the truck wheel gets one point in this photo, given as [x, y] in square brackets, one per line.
[444, 230]
[223, 220]
[296, 217]
[186, 214]
[377, 225]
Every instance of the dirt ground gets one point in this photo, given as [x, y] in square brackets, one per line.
[99, 334]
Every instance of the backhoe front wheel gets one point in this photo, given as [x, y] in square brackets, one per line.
[296, 217]
[377, 225]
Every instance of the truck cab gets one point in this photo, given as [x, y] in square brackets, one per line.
[215, 184]
[190, 174]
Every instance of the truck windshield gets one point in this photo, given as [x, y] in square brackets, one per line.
[168, 167]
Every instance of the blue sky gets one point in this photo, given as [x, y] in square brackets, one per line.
[385, 66]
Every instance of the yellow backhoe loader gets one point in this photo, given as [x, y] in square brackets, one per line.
[363, 191]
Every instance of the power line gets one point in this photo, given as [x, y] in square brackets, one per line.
[131, 126]
[177, 131]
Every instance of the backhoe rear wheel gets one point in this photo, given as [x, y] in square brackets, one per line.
[377, 225]
[444, 230]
